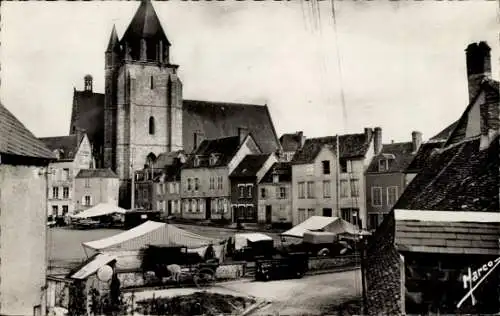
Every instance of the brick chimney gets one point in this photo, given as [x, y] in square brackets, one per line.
[368, 133]
[478, 66]
[377, 140]
[242, 133]
[301, 137]
[416, 139]
[490, 123]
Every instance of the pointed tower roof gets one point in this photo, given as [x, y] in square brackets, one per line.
[145, 24]
[113, 40]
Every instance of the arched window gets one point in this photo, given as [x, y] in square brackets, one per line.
[151, 125]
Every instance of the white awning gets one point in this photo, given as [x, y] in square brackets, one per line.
[91, 267]
[240, 240]
[322, 223]
[100, 210]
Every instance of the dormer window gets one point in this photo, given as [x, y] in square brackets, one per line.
[276, 178]
[385, 163]
[214, 158]
[197, 160]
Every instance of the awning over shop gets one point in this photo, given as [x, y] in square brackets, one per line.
[99, 210]
[334, 225]
[92, 265]
[150, 233]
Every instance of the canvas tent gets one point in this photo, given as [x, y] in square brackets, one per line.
[100, 209]
[334, 225]
[150, 233]
[242, 239]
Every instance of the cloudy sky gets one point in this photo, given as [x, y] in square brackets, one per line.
[402, 64]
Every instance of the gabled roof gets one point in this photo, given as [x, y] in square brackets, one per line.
[16, 139]
[282, 169]
[250, 165]
[445, 133]
[96, 173]
[88, 114]
[350, 145]
[423, 155]
[459, 178]
[167, 158]
[222, 119]
[225, 147]
[403, 155]
[145, 25]
[291, 142]
[66, 145]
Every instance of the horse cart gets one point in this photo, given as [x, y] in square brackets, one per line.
[175, 265]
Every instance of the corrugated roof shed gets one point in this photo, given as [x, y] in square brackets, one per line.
[16, 139]
[218, 120]
[96, 173]
[350, 145]
[403, 155]
[250, 165]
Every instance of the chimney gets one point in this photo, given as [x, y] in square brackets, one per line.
[88, 83]
[302, 138]
[377, 140]
[490, 123]
[478, 66]
[416, 139]
[368, 133]
[242, 133]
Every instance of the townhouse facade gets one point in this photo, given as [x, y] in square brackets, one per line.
[244, 180]
[168, 190]
[322, 186]
[73, 153]
[385, 178]
[275, 196]
[205, 184]
[95, 186]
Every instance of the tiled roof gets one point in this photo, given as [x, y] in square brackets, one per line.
[350, 145]
[445, 133]
[96, 173]
[145, 24]
[402, 154]
[88, 114]
[282, 169]
[169, 158]
[447, 237]
[218, 120]
[16, 139]
[291, 142]
[67, 145]
[423, 155]
[225, 147]
[173, 172]
[250, 165]
[460, 178]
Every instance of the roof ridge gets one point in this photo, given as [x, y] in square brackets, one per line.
[225, 103]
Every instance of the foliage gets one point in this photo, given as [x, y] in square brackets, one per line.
[77, 299]
[199, 303]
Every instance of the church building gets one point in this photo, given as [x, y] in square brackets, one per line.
[142, 113]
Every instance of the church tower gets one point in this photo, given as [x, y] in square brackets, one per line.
[143, 103]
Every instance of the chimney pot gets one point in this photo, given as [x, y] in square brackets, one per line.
[478, 61]
[377, 140]
[416, 138]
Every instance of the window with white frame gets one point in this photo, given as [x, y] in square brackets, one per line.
[54, 210]
[241, 188]
[194, 205]
[263, 193]
[344, 188]
[310, 189]
[189, 184]
[376, 196]
[276, 178]
[382, 165]
[392, 195]
[87, 200]
[65, 174]
[201, 205]
[64, 210]
[327, 189]
[55, 192]
[282, 191]
[65, 192]
[302, 191]
[212, 183]
[186, 206]
[196, 184]
[355, 187]
[219, 183]
[249, 190]
[302, 215]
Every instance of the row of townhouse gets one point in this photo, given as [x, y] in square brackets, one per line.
[232, 179]
[73, 184]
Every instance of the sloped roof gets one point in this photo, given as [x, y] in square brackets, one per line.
[67, 145]
[145, 24]
[16, 139]
[167, 158]
[460, 178]
[173, 172]
[225, 147]
[403, 156]
[88, 114]
[218, 120]
[282, 169]
[423, 155]
[291, 142]
[250, 165]
[350, 145]
[445, 133]
[113, 44]
[96, 173]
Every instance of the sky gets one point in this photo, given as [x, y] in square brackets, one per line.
[399, 65]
